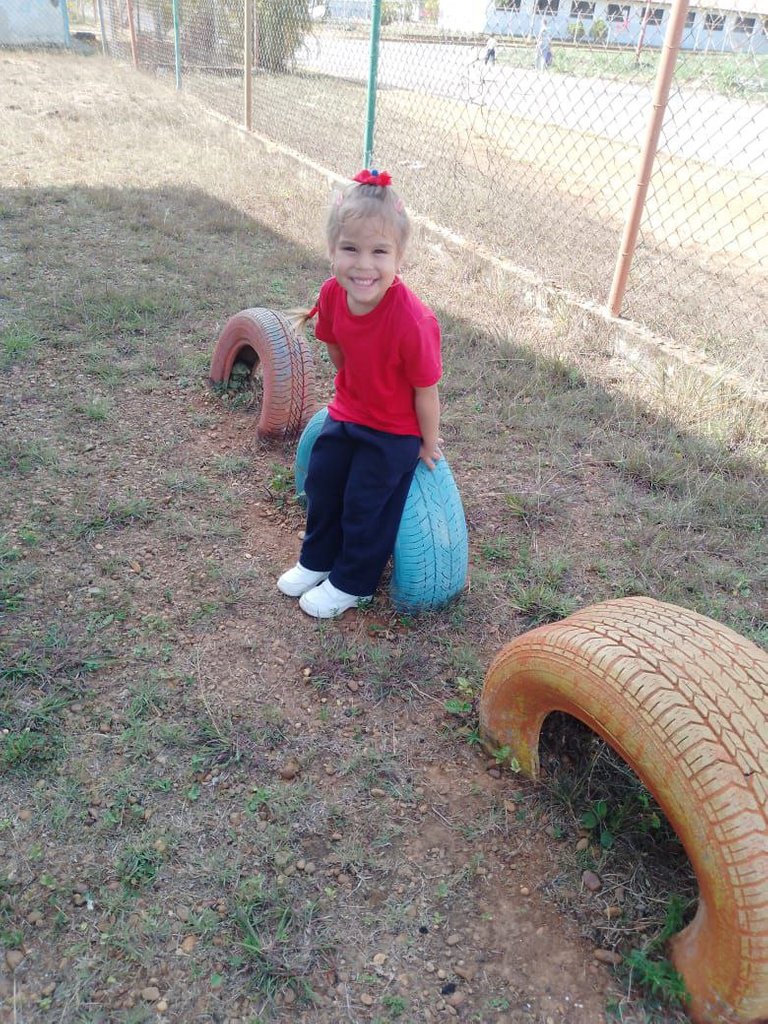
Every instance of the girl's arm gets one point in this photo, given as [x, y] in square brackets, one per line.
[427, 405]
[335, 354]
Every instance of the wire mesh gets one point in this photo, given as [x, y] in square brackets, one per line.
[704, 241]
[518, 124]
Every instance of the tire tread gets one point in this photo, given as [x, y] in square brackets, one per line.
[684, 700]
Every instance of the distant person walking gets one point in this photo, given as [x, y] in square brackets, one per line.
[490, 50]
[543, 48]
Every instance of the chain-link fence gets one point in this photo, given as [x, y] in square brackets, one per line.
[518, 124]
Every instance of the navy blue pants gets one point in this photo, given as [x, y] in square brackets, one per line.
[357, 484]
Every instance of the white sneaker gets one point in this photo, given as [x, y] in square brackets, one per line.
[326, 601]
[298, 580]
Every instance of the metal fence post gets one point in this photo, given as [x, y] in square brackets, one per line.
[248, 63]
[373, 71]
[643, 26]
[648, 153]
[65, 22]
[176, 43]
[102, 28]
[132, 28]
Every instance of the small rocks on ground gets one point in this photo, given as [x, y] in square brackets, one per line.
[608, 956]
[591, 881]
[289, 770]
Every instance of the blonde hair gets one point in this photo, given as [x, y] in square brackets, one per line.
[361, 201]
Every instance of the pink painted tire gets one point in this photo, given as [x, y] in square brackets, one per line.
[266, 340]
[684, 701]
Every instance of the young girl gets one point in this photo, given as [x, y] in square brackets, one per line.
[385, 412]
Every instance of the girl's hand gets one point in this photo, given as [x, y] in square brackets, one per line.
[427, 404]
[430, 453]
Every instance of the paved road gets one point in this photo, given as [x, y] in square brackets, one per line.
[698, 125]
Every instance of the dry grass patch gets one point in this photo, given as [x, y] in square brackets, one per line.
[211, 802]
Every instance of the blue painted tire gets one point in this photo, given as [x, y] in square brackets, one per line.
[304, 450]
[431, 556]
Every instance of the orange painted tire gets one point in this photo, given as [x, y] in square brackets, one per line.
[262, 336]
[684, 701]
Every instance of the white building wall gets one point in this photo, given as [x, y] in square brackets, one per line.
[464, 15]
[482, 16]
[31, 22]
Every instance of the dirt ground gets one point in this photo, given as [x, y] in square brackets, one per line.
[234, 813]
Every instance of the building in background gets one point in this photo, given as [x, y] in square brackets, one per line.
[723, 26]
[33, 23]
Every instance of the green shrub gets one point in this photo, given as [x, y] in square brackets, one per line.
[392, 11]
[216, 31]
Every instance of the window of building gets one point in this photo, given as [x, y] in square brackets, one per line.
[618, 12]
[714, 22]
[582, 9]
[690, 19]
[508, 5]
[547, 7]
[744, 24]
[656, 16]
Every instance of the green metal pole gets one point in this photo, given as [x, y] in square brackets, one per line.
[373, 71]
[65, 21]
[176, 46]
[102, 29]
[248, 64]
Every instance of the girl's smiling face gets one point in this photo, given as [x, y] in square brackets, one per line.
[366, 259]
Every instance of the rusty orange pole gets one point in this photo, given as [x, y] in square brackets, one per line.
[643, 25]
[132, 27]
[677, 16]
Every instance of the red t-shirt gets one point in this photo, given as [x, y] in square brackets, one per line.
[387, 353]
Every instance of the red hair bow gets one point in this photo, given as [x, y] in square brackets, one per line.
[373, 177]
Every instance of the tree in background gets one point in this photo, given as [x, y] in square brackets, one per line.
[279, 28]
[213, 30]
[393, 11]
